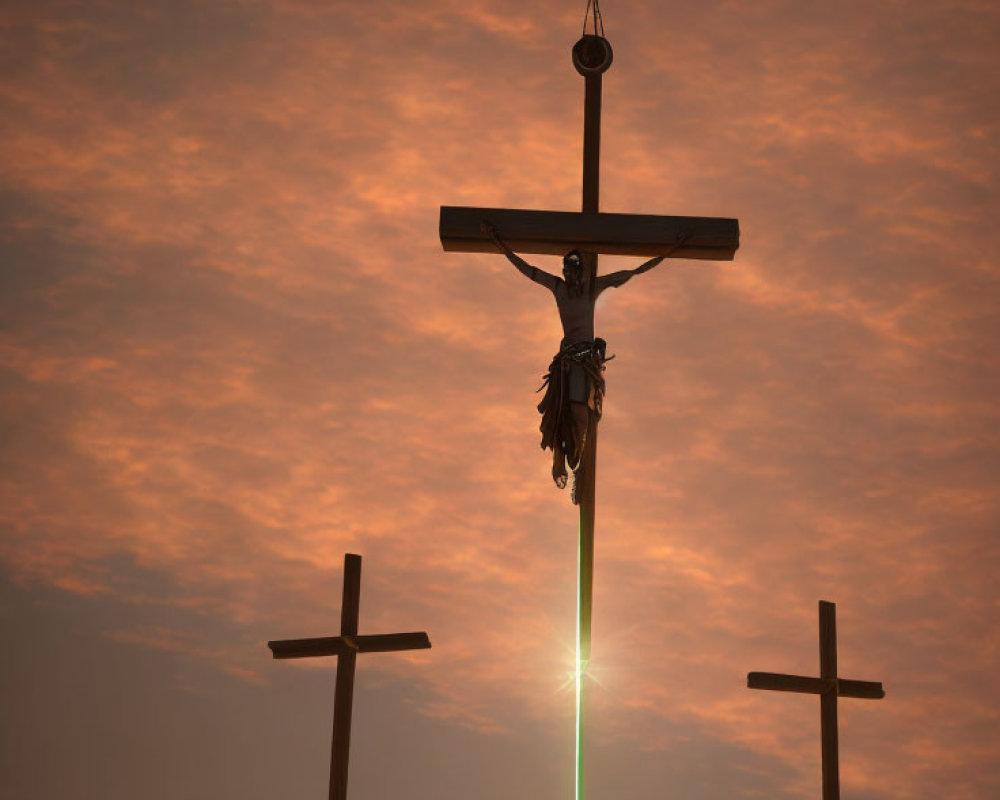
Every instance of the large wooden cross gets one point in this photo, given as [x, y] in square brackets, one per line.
[555, 232]
[829, 687]
[346, 647]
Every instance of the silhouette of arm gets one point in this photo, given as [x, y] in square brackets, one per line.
[539, 276]
[615, 279]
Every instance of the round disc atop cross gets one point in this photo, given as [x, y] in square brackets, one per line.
[592, 55]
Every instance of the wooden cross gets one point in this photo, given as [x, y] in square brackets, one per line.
[461, 229]
[346, 647]
[829, 687]
[557, 232]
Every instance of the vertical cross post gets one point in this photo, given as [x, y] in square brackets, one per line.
[590, 205]
[593, 84]
[828, 700]
[592, 56]
[343, 696]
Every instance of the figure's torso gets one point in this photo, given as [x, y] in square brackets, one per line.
[576, 314]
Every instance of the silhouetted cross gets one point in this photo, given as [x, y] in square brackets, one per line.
[829, 687]
[346, 647]
[557, 232]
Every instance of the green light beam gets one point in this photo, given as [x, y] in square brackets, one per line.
[580, 666]
[584, 591]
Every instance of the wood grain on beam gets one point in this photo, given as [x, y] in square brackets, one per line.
[556, 232]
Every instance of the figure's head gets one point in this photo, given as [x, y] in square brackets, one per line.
[573, 266]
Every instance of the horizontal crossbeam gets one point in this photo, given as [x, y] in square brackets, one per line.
[868, 690]
[557, 232]
[341, 645]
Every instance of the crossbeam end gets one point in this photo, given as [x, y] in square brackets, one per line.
[865, 690]
[389, 642]
[309, 648]
[788, 683]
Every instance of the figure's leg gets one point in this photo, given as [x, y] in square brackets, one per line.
[580, 413]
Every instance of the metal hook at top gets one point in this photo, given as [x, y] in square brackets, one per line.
[595, 7]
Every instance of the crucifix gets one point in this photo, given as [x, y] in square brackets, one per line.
[571, 408]
[346, 647]
[829, 687]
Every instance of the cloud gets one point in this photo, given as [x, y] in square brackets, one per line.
[233, 351]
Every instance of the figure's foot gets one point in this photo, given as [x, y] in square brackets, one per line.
[559, 467]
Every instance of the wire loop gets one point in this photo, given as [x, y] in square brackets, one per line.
[598, 19]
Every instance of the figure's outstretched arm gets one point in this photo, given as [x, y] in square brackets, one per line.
[615, 279]
[539, 276]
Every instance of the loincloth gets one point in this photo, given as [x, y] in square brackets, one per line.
[576, 375]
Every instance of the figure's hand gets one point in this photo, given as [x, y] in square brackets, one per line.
[489, 229]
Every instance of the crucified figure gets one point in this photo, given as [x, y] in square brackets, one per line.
[575, 382]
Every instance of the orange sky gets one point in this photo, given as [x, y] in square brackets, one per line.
[232, 350]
